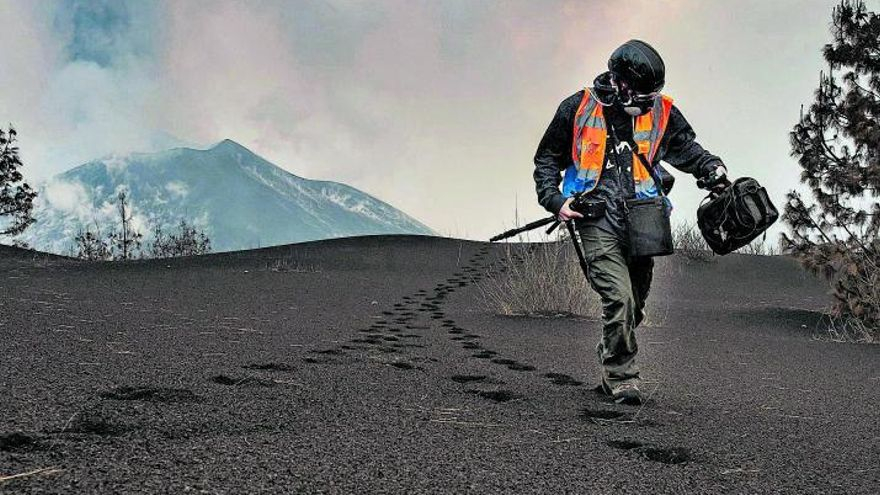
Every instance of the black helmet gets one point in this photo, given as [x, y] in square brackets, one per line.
[639, 66]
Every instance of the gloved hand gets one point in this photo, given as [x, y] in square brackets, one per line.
[716, 180]
[723, 182]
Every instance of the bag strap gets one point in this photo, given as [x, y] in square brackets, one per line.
[633, 147]
[758, 198]
[761, 194]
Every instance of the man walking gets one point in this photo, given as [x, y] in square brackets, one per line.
[596, 138]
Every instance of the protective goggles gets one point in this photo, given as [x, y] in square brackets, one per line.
[644, 98]
[628, 97]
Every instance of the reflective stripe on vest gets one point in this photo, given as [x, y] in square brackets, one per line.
[588, 146]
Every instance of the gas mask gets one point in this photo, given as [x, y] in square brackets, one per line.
[633, 103]
[635, 109]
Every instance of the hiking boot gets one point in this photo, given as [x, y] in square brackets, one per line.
[623, 393]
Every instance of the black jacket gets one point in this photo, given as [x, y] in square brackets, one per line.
[677, 148]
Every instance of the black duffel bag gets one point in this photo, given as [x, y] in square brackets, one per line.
[736, 216]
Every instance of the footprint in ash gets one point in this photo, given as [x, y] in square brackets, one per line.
[404, 365]
[19, 441]
[468, 378]
[485, 354]
[271, 366]
[96, 422]
[562, 379]
[664, 455]
[603, 416]
[513, 364]
[325, 356]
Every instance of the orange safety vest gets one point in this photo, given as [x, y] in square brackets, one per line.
[588, 146]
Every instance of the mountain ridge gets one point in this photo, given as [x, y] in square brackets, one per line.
[239, 198]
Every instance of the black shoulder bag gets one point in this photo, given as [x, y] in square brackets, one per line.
[648, 227]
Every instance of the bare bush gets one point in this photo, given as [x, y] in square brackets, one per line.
[758, 248]
[540, 279]
[844, 328]
[689, 243]
[854, 273]
[290, 265]
[187, 240]
[90, 245]
[19, 243]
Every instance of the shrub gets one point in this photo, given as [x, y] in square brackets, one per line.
[91, 245]
[187, 240]
[854, 274]
[758, 248]
[689, 243]
[540, 279]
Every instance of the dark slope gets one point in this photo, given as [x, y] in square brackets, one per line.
[367, 364]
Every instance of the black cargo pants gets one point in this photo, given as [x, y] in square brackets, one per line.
[622, 283]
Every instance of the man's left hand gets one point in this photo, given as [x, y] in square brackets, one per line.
[715, 181]
[722, 182]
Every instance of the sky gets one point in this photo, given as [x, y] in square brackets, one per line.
[434, 106]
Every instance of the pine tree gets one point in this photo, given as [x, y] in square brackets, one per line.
[837, 145]
[125, 240]
[16, 196]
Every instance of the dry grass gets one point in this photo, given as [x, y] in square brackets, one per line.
[690, 245]
[656, 314]
[540, 279]
[849, 329]
[854, 274]
[287, 265]
[852, 269]
[759, 248]
[42, 471]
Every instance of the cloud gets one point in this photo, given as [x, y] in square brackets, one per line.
[83, 81]
[115, 163]
[177, 188]
[433, 106]
[109, 33]
[69, 197]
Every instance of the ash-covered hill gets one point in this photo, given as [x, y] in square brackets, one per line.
[241, 200]
[371, 365]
